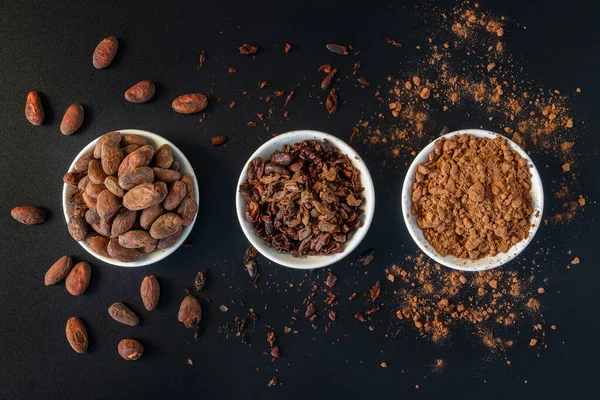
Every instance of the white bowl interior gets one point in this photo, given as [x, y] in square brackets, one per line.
[489, 262]
[185, 169]
[368, 206]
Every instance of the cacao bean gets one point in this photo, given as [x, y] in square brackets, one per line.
[78, 228]
[114, 137]
[165, 225]
[170, 240]
[88, 200]
[34, 112]
[187, 211]
[83, 182]
[58, 271]
[130, 349]
[105, 52]
[79, 278]
[130, 148]
[176, 194]
[95, 172]
[190, 312]
[149, 215]
[139, 158]
[111, 157]
[94, 189]
[141, 92]
[28, 215]
[77, 335]
[92, 217]
[112, 184]
[190, 103]
[81, 165]
[123, 314]
[189, 182]
[150, 292]
[143, 196]
[166, 175]
[115, 250]
[134, 139]
[123, 222]
[73, 178]
[163, 157]
[136, 177]
[136, 239]
[72, 119]
[108, 204]
[99, 245]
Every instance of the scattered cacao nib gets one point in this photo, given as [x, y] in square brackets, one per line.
[197, 332]
[260, 116]
[365, 258]
[352, 296]
[445, 130]
[278, 93]
[332, 315]
[331, 279]
[251, 268]
[393, 42]
[251, 123]
[315, 326]
[253, 316]
[272, 382]
[262, 84]
[327, 80]
[373, 310]
[200, 280]
[310, 310]
[250, 253]
[331, 102]
[275, 352]
[232, 104]
[355, 133]
[248, 49]
[288, 98]
[305, 200]
[363, 81]
[336, 48]
[202, 59]
[271, 338]
[286, 113]
[355, 67]
[267, 99]
[218, 140]
[330, 297]
[360, 317]
[325, 68]
[288, 47]
[375, 290]
[231, 70]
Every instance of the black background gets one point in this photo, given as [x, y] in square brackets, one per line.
[47, 46]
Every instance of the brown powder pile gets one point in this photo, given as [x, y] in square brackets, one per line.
[434, 299]
[472, 197]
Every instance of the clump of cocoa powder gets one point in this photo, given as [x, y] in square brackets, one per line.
[472, 198]
[435, 299]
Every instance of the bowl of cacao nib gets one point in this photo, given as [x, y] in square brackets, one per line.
[472, 200]
[305, 199]
[130, 198]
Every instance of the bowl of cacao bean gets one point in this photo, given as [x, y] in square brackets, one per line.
[305, 199]
[130, 198]
[472, 200]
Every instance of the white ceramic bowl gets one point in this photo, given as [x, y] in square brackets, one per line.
[368, 206]
[185, 169]
[489, 262]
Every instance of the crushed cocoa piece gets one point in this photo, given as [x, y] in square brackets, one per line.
[575, 261]
[331, 279]
[485, 183]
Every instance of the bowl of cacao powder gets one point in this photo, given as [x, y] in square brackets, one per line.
[472, 200]
[305, 199]
[130, 198]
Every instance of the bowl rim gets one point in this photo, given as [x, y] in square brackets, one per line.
[485, 263]
[309, 262]
[157, 255]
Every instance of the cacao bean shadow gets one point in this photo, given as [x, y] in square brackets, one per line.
[88, 118]
[91, 335]
[48, 111]
[95, 279]
[151, 350]
[119, 56]
[159, 94]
